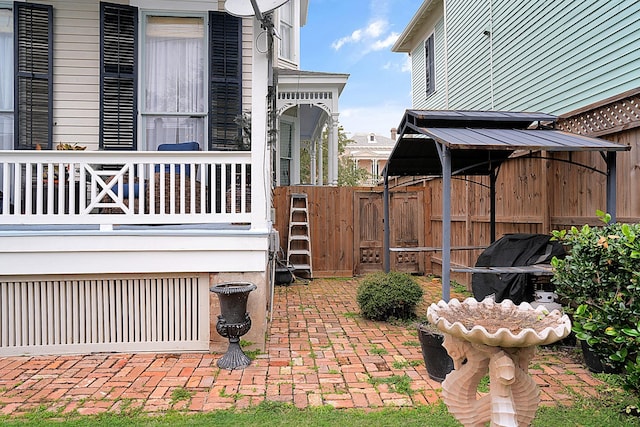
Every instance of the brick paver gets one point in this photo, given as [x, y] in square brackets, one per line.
[319, 352]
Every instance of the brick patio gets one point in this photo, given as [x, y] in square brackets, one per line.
[319, 352]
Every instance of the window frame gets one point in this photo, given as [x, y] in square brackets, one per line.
[145, 113]
[10, 111]
[290, 23]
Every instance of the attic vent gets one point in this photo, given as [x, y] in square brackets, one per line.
[372, 137]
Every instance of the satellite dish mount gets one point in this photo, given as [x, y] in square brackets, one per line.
[257, 8]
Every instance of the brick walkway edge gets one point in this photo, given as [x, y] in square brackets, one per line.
[319, 352]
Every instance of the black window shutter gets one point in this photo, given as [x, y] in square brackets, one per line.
[225, 81]
[118, 72]
[429, 56]
[33, 48]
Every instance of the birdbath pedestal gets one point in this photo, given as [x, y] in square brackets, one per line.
[498, 338]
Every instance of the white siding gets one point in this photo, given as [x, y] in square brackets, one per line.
[76, 75]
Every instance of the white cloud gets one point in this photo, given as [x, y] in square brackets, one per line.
[369, 34]
[354, 37]
[376, 28]
[385, 43]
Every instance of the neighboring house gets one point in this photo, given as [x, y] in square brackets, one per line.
[114, 248]
[503, 55]
[579, 60]
[370, 153]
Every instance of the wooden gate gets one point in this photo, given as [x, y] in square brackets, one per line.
[347, 227]
[407, 230]
[368, 232]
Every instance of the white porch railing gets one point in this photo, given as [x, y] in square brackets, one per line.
[99, 187]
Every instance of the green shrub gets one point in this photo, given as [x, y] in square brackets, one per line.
[600, 280]
[392, 295]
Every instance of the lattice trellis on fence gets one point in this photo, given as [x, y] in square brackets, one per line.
[611, 117]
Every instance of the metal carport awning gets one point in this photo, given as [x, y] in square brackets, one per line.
[444, 143]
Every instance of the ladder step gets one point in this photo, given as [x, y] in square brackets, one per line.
[300, 237]
[301, 267]
[298, 223]
[299, 252]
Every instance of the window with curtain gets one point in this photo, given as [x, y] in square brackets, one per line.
[6, 79]
[174, 104]
[286, 31]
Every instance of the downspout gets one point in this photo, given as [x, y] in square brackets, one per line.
[490, 30]
[611, 184]
[446, 58]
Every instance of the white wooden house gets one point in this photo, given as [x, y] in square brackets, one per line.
[114, 248]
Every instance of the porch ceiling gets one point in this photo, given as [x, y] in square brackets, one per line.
[478, 141]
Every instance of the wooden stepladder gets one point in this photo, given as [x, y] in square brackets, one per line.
[299, 241]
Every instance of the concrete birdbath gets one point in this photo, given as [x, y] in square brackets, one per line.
[498, 338]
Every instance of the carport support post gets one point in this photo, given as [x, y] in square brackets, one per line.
[445, 157]
[385, 207]
[492, 200]
[611, 184]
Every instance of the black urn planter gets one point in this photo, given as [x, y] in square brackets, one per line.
[436, 358]
[594, 362]
[234, 321]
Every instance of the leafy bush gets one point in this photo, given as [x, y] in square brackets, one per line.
[392, 295]
[600, 278]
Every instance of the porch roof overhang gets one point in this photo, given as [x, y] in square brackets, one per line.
[308, 88]
[447, 143]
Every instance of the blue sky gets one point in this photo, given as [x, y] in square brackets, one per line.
[355, 37]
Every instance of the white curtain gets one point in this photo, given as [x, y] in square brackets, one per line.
[175, 85]
[6, 79]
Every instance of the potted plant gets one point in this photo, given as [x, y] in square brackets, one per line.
[599, 282]
[66, 146]
[436, 358]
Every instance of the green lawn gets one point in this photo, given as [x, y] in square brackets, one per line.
[585, 413]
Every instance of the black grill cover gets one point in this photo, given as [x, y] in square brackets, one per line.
[509, 251]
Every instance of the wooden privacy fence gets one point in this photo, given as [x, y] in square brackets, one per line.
[534, 195]
[347, 228]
